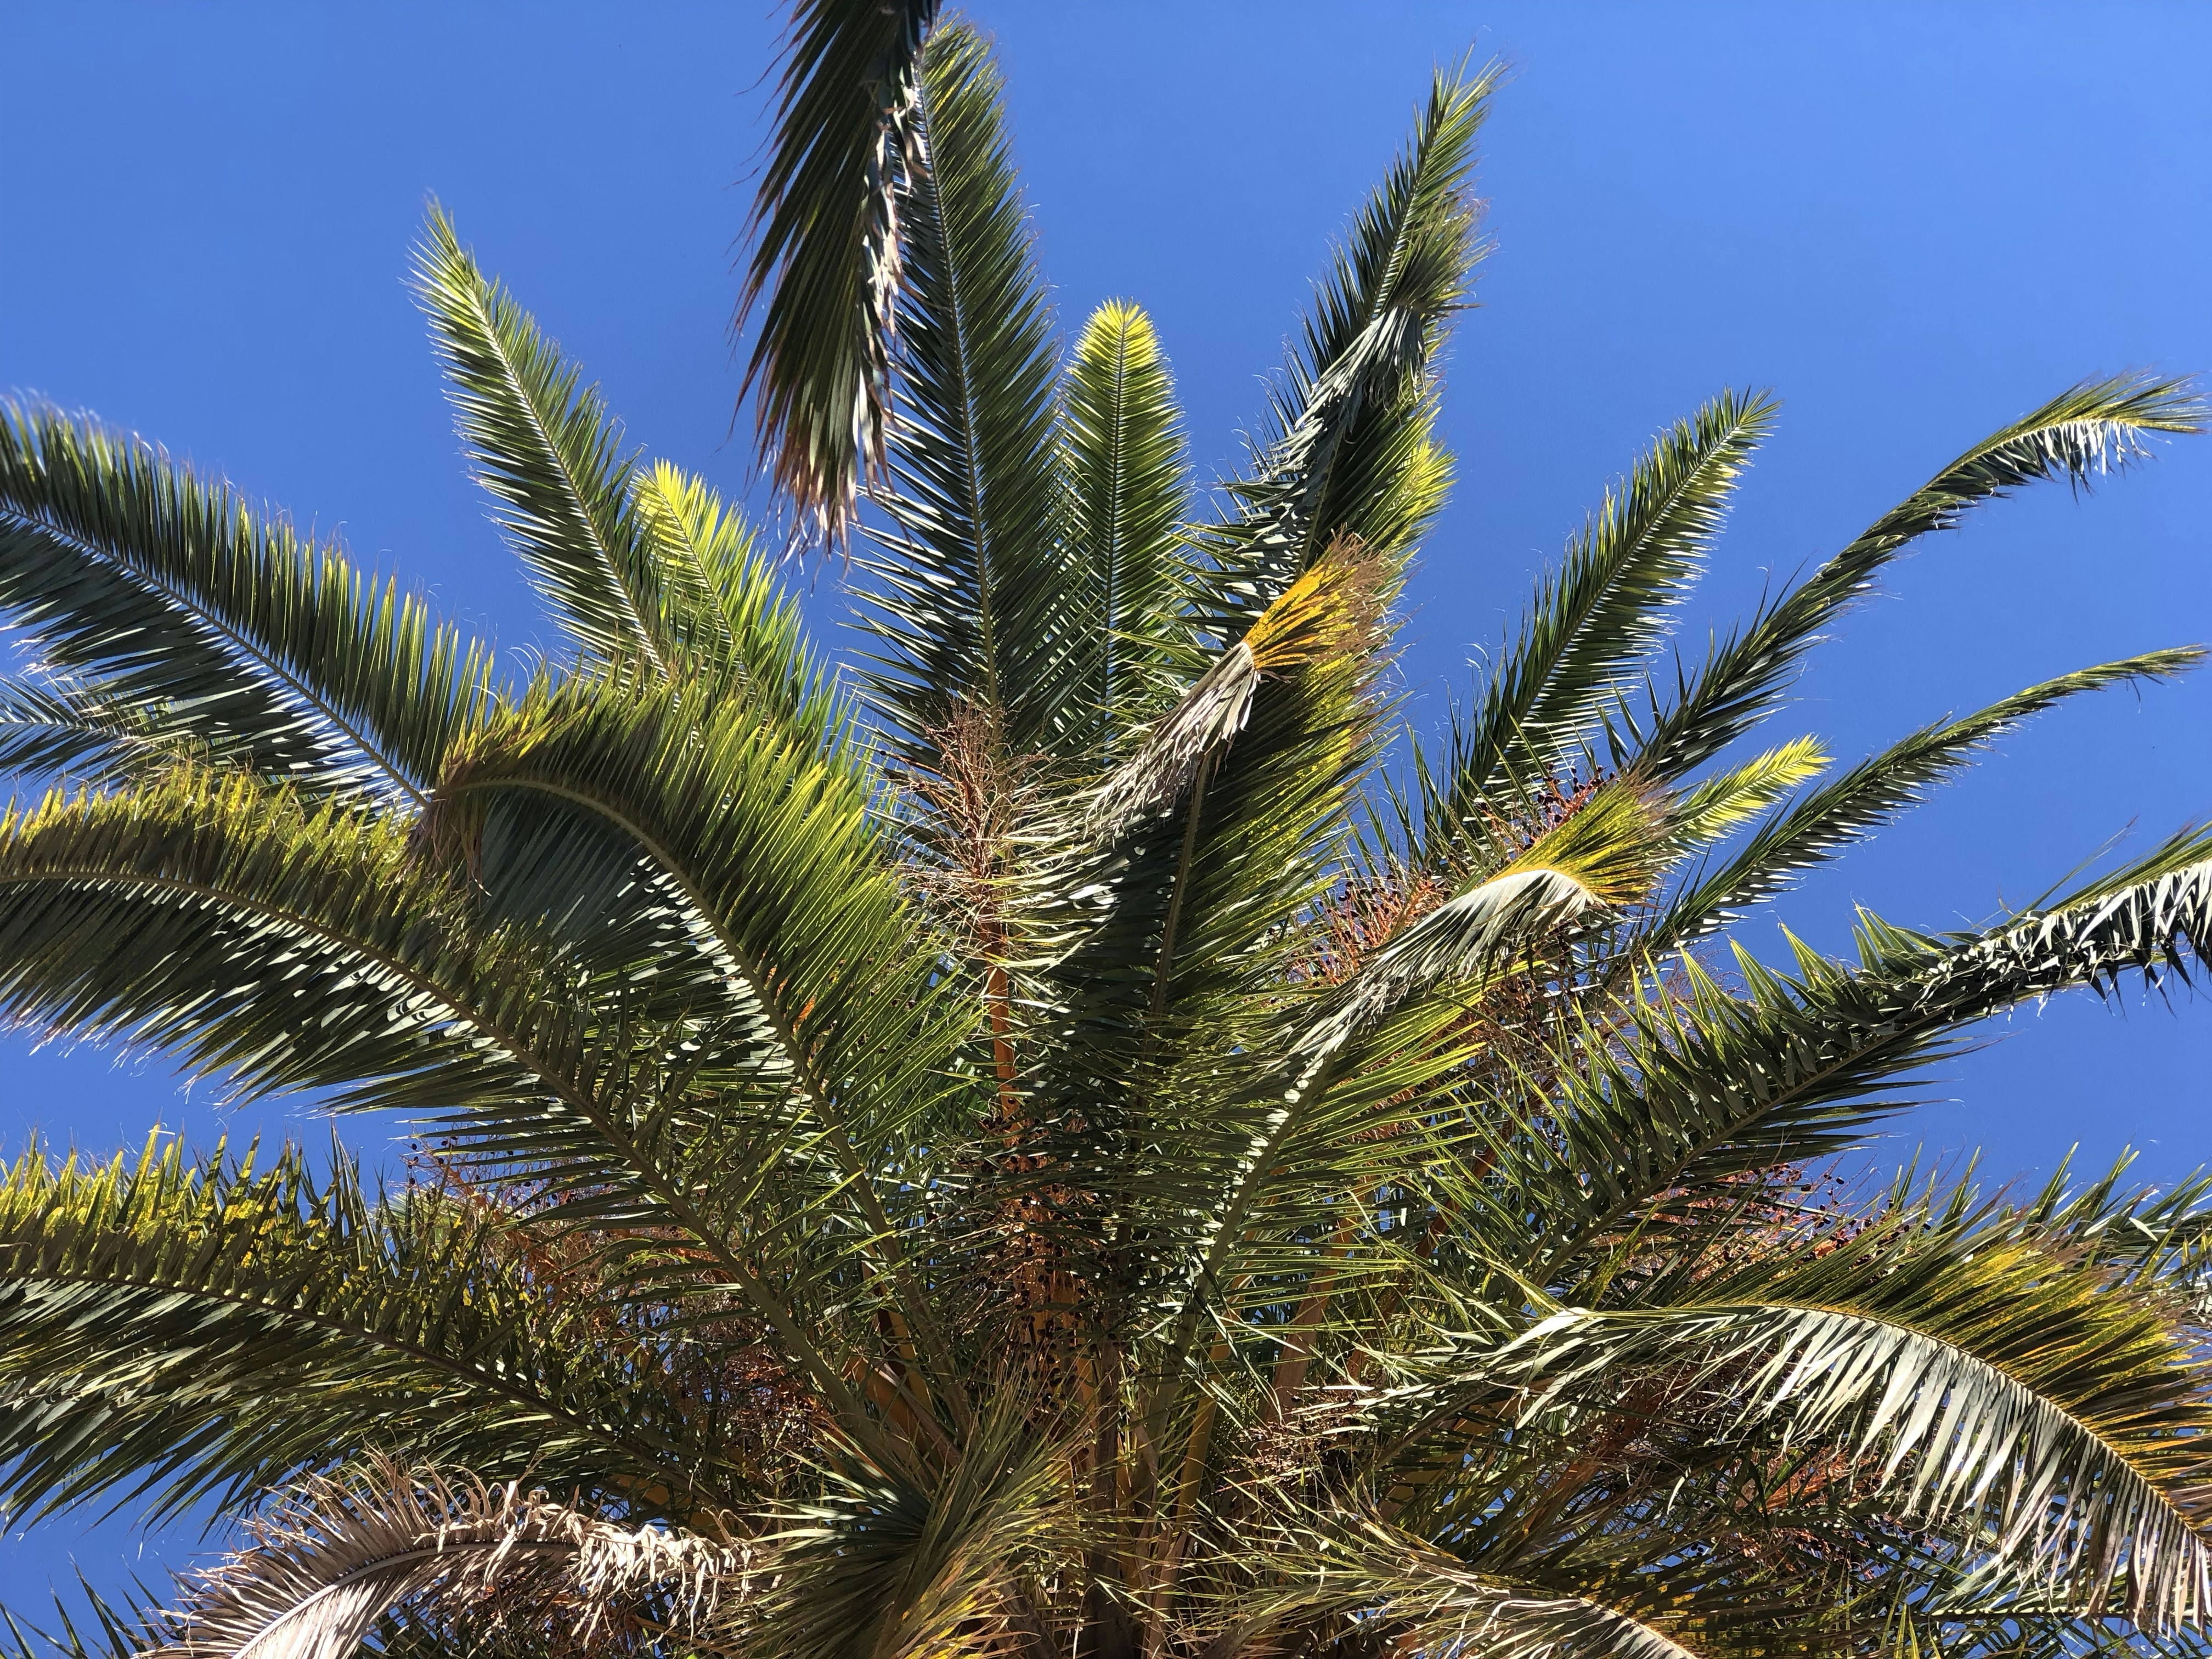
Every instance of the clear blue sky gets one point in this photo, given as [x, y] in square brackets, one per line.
[1914, 221]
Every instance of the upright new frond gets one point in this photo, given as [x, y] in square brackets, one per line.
[547, 451]
[2093, 428]
[1352, 453]
[725, 613]
[1593, 624]
[1129, 491]
[826, 248]
[968, 597]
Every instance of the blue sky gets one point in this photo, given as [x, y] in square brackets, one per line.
[1913, 221]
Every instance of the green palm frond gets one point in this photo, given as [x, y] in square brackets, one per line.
[1831, 817]
[1712, 1086]
[546, 450]
[105, 1628]
[1352, 452]
[2091, 430]
[84, 729]
[725, 613]
[826, 248]
[1129, 492]
[180, 916]
[211, 1328]
[2032, 1413]
[200, 620]
[1592, 625]
[964, 597]
[1062, 1144]
[1713, 808]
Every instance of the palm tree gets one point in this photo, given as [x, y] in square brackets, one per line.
[1068, 1134]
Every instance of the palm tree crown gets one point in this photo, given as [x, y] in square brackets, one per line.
[1068, 1133]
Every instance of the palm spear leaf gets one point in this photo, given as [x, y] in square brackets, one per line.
[826, 248]
[725, 613]
[1878, 789]
[964, 600]
[2087, 431]
[1128, 491]
[196, 619]
[1711, 809]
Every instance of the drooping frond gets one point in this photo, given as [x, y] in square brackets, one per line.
[341, 1554]
[187, 1330]
[163, 606]
[2093, 428]
[1984, 1390]
[826, 247]
[1604, 856]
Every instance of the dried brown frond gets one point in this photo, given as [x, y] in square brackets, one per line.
[338, 1555]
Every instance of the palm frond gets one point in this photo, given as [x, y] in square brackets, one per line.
[1710, 1087]
[1379, 1577]
[193, 1329]
[1128, 493]
[826, 250]
[964, 599]
[327, 1566]
[875, 1566]
[1351, 452]
[2032, 1412]
[1331, 611]
[194, 618]
[1874, 791]
[725, 613]
[547, 451]
[1711, 809]
[1584, 643]
[2089, 430]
